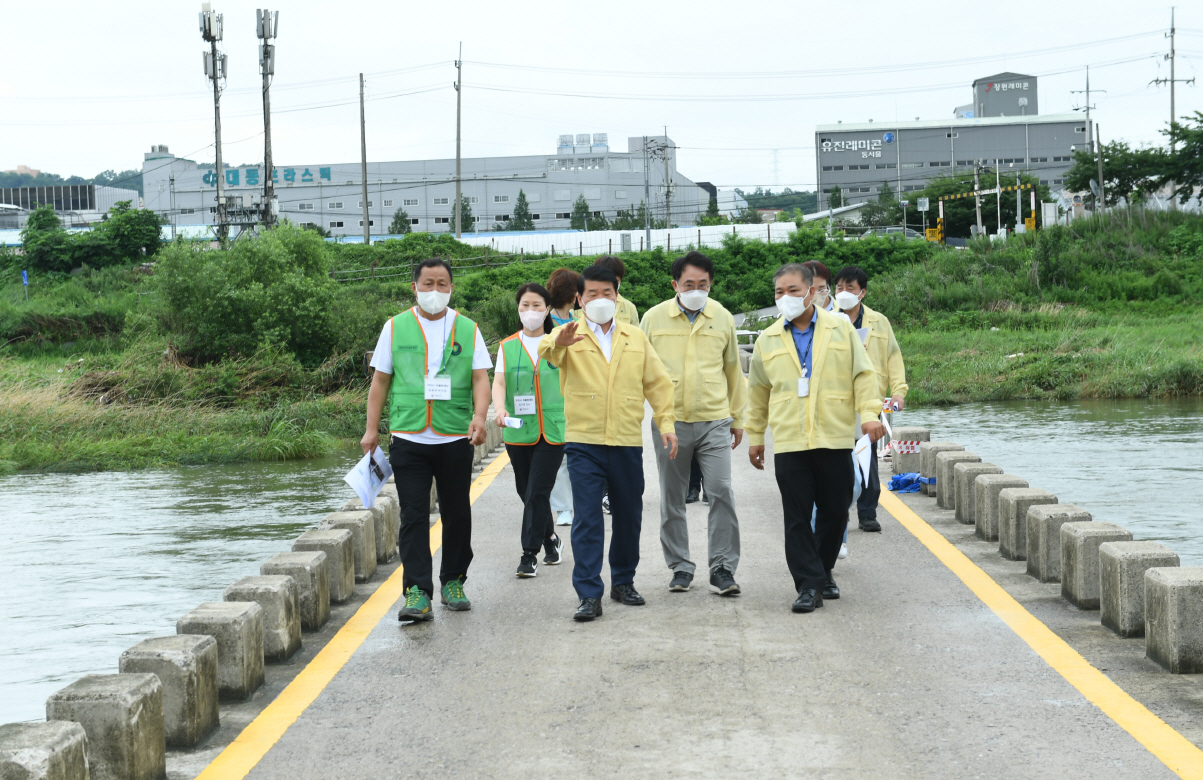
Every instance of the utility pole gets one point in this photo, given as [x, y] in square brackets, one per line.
[215, 69]
[459, 94]
[667, 184]
[1171, 81]
[1018, 201]
[266, 25]
[174, 218]
[977, 193]
[647, 196]
[1089, 126]
[363, 166]
[1099, 154]
[997, 198]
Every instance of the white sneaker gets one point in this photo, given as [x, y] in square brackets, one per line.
[564, 518]
[843, 551]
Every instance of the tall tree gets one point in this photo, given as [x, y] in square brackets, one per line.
[521, 218]
[1185, 166]
[400, 224]
[712, 215]
[1127, 173]
[467, 221]
[836, 198]
[884, 210]
[580, 213]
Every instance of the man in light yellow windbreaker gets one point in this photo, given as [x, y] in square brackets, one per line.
[605, 374]
[695, 337]
[809, 378]
[851, 284]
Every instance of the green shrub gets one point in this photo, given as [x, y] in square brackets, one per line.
[272, 289]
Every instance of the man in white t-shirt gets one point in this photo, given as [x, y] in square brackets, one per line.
[432, 367]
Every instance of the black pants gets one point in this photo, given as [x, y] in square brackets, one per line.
[866, 505]
[535, 467]
[449, 465]
[813, 480]
[695, 476]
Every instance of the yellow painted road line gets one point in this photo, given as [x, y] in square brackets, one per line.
[1174, 750]
[249, 747]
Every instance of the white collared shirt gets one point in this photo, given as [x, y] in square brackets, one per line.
[604, 340]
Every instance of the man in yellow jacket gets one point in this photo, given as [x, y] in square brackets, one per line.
[624, 310]
[809, 377]
[695, 337]
[605, 374]
[851, 284]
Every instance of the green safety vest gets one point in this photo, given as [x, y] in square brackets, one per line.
[408, 409]
[520, 377]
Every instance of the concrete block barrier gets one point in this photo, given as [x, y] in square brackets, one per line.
[279, 597]
[907, 463]
[338, 546]
[927, 461]
[1174, 618]
[186, 665]
[363, 539]
[1013, 505]
[308, 570]
[964, 476]
[392, 525]
[1044, 537]
[382, 523]
[1080, 560]
[122, 715]
[945, 485]
[238, 628]
[390, 489]
[1122, 567]
[54, 750]
[985, 499]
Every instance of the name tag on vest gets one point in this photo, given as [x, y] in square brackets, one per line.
[524, 404]
[438, 388]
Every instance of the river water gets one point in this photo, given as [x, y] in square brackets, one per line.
[93, 563]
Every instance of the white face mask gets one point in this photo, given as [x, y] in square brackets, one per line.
[532, 319]
[846, 300]
[600, 310]
[433, 301]
[694, 300]
[791, 306]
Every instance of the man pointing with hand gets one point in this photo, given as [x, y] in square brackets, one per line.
[607, 368]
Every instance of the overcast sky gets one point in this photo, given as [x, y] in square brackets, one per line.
[91, 86]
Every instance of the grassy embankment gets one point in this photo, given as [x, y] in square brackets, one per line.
[113, 369]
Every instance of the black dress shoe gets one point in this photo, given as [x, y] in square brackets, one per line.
[589, 609]
[627, 595]
[808, 600]
[692, 497]
[830, 589]
[870, 525]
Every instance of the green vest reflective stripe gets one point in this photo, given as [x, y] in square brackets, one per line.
[520, 377]
[408, 409]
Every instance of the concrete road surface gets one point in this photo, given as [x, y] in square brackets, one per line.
[908, 675]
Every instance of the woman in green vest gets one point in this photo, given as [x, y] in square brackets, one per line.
[526, 390]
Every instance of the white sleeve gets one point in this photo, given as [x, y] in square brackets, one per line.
[480, 357]
[382, 358]
[500, 367]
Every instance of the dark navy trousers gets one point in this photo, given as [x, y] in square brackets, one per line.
[590, 467]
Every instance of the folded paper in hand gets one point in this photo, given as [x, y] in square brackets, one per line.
[862, 452]
[368, 476]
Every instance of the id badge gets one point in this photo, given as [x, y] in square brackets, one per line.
[803, 386]
[524, 404]
[438, 388]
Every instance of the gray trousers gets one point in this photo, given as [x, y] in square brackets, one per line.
[561, 493]
[711, 443]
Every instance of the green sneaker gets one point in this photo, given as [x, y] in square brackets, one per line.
[417, 606]
[454, 598]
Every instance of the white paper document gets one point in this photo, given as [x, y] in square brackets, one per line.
[368, 476]
[862, 452]
[863, 333]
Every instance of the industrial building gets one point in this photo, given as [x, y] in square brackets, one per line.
[330, 194]
[1001, 127]
[75, 204]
